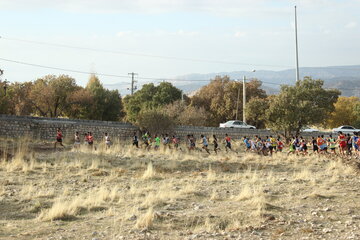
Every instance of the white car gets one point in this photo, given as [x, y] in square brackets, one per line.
[345, 129]
[236, 124]
[310, 130]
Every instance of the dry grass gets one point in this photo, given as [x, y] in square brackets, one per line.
[171, 192]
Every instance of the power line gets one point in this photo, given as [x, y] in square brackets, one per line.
[99, 74]
[124, 76]
[142, 54]
[158, 56]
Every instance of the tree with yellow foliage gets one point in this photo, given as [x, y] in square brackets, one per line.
[345, 112]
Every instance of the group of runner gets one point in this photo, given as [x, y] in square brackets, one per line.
[346, 144]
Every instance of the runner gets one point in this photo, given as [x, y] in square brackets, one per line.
[205, 143]
[86, 138]
[135, 141]
[355, 141]
[91, 140]
[247, 144]
[192, 142]
[77, 140]
[322, 144]
[303, 146]
[292, 148]
[216, 145]
[227, 142]
[349, 144]
[358, 145]
[157, 142]
[273, 144]
[189, 145]
[259, 145]
[145, 139]
[314, 144]
[342, 143]
[332, 144]
[176, 142]
[107, 141]
[149, 142]
[59, 138]
[280, 145]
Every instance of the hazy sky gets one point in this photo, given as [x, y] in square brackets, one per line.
[256, 34]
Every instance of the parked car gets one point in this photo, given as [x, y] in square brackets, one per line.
[236, 124]
[345, 129]
[310, 130]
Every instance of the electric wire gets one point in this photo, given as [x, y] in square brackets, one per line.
[125, 76]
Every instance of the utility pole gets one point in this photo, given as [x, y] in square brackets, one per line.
[237, 103]
[244, 99]
[297, 50]
[132, 82]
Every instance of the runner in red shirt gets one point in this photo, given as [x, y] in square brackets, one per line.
[342, 142]
[59, 138]
[228, 143]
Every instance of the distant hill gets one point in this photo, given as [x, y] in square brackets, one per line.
[345, 77]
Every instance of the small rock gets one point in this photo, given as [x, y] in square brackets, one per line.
[327, 230]
[132, 218]
[95, 233]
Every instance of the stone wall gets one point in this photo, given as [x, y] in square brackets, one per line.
[45, 128]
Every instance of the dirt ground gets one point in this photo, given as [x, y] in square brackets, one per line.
[128, 193]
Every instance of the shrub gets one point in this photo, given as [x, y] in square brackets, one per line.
[154, 121]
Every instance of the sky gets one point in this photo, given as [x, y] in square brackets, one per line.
[165, 39]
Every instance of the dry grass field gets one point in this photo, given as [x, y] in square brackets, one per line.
[127, 193]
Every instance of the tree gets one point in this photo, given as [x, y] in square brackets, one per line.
[345, 112]
[48, 95]
[150, 97]
[5, 101]
[255, 111]
[219, 98]
[183, 114]
[20, 94]
[80, 104]
[306, 103]
[106, 105]
[155, 121]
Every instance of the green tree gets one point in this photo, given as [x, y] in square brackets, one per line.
[306, 103]
[220, 96]
[105, 104]
[255, 111]
[150, 97]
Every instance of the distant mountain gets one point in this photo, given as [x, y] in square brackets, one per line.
[347, 78]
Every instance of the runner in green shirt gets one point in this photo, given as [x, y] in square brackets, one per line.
[157, 142]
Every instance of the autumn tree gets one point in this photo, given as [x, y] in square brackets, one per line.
[48, 95]
[155, 121]
[220, 96]
[306, 103]
[345, 113]
[5, 101]
[184, 114]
